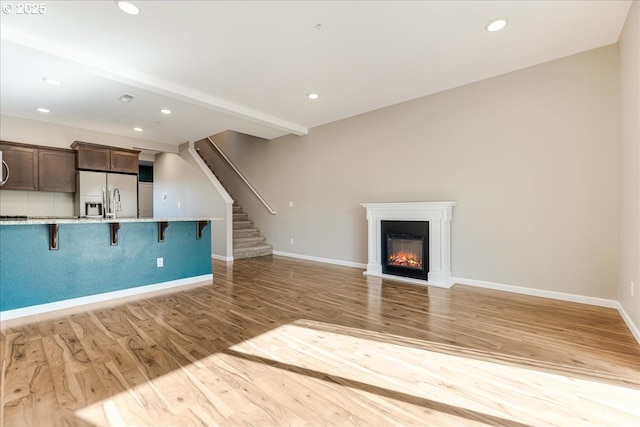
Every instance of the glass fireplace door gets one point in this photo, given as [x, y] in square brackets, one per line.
[405, 251]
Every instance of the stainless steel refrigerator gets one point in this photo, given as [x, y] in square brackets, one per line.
[100, 194]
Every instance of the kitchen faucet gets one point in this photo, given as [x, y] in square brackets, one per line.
[115, 200]
[112, 202]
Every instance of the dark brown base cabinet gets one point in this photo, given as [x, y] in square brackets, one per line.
[105, 159]
[36, 168]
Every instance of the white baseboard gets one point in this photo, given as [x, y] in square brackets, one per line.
[100, 298]
[627, 319]
[324, 260]
[602, 302]
[222, 258]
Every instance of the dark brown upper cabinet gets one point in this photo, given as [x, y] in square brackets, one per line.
[104, 158]
[57, 170]
[33, 168]
[22, 161]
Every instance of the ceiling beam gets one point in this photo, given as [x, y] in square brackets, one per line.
[116, 72]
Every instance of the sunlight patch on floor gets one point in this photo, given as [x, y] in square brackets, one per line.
[481, 386]
[308, 371]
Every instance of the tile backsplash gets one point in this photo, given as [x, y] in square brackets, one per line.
[35, 203]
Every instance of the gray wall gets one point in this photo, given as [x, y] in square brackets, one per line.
[629, 47]
[531, 158]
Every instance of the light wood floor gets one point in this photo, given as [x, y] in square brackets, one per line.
[275, 341]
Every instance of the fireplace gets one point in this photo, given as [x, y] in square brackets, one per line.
[405, 248]
[436, 256]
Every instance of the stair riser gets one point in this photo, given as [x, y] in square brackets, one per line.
[259, 241]
[239, 225]
[241, 217]
[251, 254]
[248, 232]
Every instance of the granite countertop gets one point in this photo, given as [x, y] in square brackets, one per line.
[76, 220]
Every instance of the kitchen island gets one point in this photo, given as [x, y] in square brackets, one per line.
[48, 264]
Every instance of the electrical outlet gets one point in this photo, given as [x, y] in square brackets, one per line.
[631, 286]
[53, 204]
[179, 205]
[291, 240]
[160, 262]
[290, 204]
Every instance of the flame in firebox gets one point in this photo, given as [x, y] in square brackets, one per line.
[405, 259]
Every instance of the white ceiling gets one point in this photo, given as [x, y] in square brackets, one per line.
[248, 65]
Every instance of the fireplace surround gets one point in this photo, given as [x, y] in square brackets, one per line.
[438, 215]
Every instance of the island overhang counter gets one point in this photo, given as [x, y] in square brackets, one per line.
[47, 264]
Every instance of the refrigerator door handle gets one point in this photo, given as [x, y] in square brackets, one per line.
[4, 165]
[105, 202]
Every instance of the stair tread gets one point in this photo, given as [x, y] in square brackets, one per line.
[252, 248]
[255, 247]
[246, 235]
[242, 224]
[248, 239]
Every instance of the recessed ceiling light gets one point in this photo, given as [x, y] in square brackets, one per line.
[138, 129]
[165, 111]
[43, 110]
[128, 7]
[313, 96]
[52, 82]
[496, 24]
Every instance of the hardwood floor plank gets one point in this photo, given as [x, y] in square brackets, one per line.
[256, 401]
[91, 386]
[62, 367]
[211, 405]
[16, 374]
[71, 345]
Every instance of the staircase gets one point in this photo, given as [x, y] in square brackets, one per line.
[247, 241]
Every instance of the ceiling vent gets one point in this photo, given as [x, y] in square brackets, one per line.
[126, 98]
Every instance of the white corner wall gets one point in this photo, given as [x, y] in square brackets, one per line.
[629, 211]
[181, 189]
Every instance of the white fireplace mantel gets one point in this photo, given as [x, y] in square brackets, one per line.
[438, 214]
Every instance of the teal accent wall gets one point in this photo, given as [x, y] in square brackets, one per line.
[86, 264]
